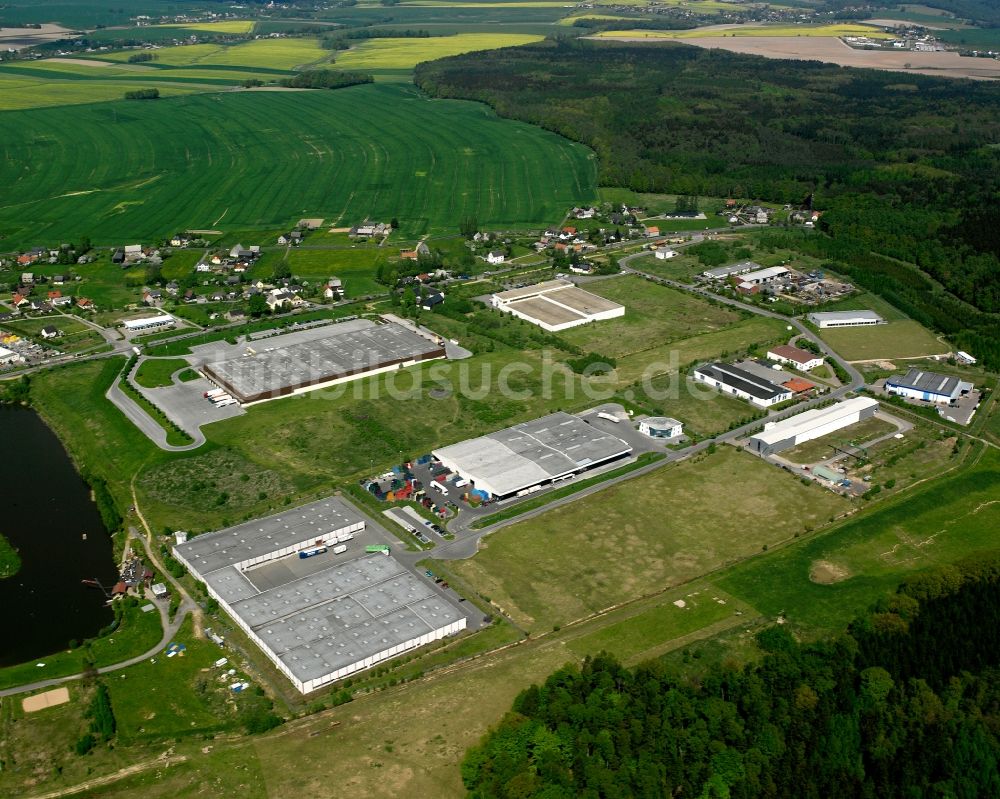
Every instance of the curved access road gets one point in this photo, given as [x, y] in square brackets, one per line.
[467, 539]
[147, 424]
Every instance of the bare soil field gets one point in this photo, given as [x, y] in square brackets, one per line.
[834, 51]
[20, 38]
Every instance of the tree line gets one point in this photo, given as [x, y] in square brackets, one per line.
[902, 166]
[907, 704]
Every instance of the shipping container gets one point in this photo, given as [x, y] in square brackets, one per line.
[312, 551]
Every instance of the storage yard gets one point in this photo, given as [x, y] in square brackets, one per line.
[528, 456]
[299, 586]
[277, 367]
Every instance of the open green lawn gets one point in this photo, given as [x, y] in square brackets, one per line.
[138, 633]
[821, 582]
[704, 413]
[356, 267]
[654, 315]
[376, 54]
[902, 338]
[683, 268]
[156, 372]
[144, 170]
[169, 696]
[826, 446]
[641, 536]
[737, 338]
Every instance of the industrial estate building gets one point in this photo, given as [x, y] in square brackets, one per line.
[318, 616]
[762, 277]
[722, 272]
[361, 348]
[796, 356]
[929, 386]
[556, 305]
[661, 427]
[778, 436]
[824, 319]
[731, 379]
[528, 456]
[148, 323]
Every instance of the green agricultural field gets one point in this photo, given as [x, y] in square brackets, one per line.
[903, 338]
[654, 315]
[826, 446]
[20, 93]
[156, 372]
[640, 537]
[282, 54]
[144, 170]
[822, 582]
[10, 561]
[376, 54]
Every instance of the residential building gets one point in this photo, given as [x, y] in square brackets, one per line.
[495, 257]
[665, 253]
[796, 356]
[50, 331]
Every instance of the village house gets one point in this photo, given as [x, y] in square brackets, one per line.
[85, 304]
[50, 331]
[495, 257]
[334, 289]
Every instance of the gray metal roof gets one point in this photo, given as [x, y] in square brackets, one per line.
[743, 380]
[207, 553]
[844, 316]
[732, 269]
[275, 367]
[930, 382]
[532, 452]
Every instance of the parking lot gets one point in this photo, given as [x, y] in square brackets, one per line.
[186, 406]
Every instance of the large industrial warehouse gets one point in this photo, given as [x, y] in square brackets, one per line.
[778, 436]
[731, 379]
[321, 617]
[827, 319]
[928, 386]
[556, 305]
[518, 459]
[355, 349]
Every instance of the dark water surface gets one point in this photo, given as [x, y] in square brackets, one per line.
[45, 508]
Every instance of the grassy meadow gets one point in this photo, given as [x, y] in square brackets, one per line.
[903, 338]
[640, 537]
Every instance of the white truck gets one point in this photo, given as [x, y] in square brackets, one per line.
[225, 403]
[340, 549]
[608, 417]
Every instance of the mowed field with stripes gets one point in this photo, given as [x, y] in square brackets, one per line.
[260, 160]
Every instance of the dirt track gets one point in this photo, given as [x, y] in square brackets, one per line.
[834, 51]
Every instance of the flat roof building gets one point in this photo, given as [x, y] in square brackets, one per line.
[360, 349]
[778, 436]
[556, 305]
[764, 276]
[722, 272]
[532, 454]
[661, 427]
[928, 386]
[730, 379]
[318, 617]
[824, 319]
[148, 323]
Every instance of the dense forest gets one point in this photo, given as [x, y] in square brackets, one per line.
[905, 166]
[907, 704]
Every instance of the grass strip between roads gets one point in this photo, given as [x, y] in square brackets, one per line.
[523, 507]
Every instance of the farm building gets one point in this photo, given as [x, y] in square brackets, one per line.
[661, 427]
[722, 272]
[530, 455]
[731, 379]
[355, 349]
[148, 323]
[929, 386]
[322, 617]
[796, 356]
[556, 305]
[778, 436]
[825, 319]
